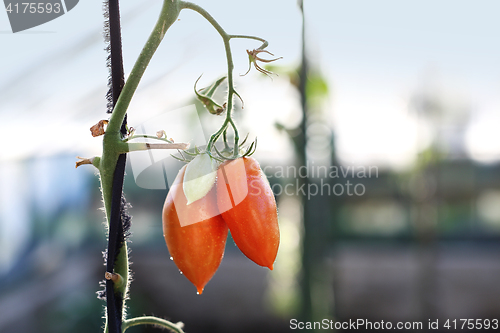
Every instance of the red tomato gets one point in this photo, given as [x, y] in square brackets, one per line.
[197, 249]
[247, 205]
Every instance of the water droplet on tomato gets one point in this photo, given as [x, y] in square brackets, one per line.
[171, 258]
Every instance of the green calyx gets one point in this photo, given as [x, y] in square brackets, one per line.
[229, 154]
[225, 154]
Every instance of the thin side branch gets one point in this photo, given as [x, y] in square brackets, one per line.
[145, 136]
[137, 146]
[230, 66]
[177, 327]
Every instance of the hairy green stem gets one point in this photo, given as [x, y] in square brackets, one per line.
[169, 14]
[112, 141]
[177, 327]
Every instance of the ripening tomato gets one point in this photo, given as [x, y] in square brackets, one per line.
[247, 204]
[197, 247]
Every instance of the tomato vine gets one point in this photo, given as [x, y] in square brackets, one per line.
[117, 143]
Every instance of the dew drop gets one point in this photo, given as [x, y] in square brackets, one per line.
[180, 272]
[171, 258]
[197, 293]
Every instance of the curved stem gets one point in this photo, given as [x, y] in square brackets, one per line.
[265, 43]
[236, 138]
[230, 66]
[224, 138]
[169, 13]
[145, 136]
[153, 321]
[216, 135]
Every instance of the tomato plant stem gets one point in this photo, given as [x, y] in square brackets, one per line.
[114, 261]
[177, 327]
[169, 13]
[111, 165]
[264, 42]
[230, 67]
[144, 136]
[137, 146]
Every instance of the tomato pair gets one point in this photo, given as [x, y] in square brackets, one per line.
[242, 201]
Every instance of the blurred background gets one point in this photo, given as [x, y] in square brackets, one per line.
[379, 139]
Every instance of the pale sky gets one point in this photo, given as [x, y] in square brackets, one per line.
[374, 54]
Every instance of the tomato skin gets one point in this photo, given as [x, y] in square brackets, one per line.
[252, 218]
[197, 249]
